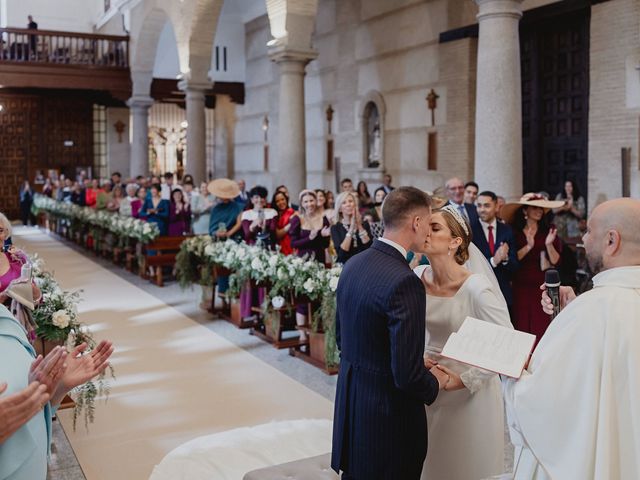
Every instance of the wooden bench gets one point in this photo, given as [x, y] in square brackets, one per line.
[164, 251]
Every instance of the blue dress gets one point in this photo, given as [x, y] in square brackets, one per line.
[23, 456]
[160, 218]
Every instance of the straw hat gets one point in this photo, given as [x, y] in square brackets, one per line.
[509, 210]
[224, 188]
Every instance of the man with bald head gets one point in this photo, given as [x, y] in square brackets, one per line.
[573, 412]
[454, 188]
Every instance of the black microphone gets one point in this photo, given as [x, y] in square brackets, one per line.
[552, 282]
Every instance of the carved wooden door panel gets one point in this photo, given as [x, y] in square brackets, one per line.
[18, 143]
[555, 101]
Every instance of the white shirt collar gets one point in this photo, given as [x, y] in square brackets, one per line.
[485, 225]
[395, 245]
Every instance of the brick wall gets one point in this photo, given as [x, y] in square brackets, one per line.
[615, 28]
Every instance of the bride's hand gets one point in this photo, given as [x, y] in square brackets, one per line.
[454, 383]
[429, 362]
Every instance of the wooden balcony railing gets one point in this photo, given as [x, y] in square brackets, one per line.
[64, 48]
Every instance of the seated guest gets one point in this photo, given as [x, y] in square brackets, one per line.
[28, 379]
[223, 223]
[113, 205]
[126, 209]
[350, 234]
[201, 205]
[280, 202]
[310, 231]
[496, 242]
[365, 201]
[179, 215]
[156, 209]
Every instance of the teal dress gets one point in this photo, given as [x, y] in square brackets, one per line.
[23, 456]
[226, 213]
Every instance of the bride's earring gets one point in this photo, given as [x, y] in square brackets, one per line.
[449, 253]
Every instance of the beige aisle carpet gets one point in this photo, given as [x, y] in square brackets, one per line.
[176, 380]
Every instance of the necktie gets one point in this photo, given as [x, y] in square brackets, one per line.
[492, 241]
[463, 211]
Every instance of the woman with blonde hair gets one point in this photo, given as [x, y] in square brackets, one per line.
[350, 233]
[309, 232]
[467, 421]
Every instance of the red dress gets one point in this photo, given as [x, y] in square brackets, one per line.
[283, 220]
[527, 312]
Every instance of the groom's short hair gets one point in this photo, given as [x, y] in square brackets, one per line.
[401, 203]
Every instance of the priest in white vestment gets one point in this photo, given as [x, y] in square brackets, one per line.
[575, 411]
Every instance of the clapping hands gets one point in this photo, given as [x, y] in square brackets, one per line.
[502, 254]
[18, 408]
[551, 236]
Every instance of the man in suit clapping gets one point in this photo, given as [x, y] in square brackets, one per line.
[380, 425]
[497, 242]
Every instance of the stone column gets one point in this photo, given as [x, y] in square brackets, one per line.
[196, 163]
[498, 155]
[139, 108]
[291, 161]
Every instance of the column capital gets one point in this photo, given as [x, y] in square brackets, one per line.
[499, 8]
[193, 86]
[140, 101]
[283, 53]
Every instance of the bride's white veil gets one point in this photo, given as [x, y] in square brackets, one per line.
[478, 263]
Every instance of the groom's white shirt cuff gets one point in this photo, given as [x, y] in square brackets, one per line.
[395, 245]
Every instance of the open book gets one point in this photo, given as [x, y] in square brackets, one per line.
[489, 346]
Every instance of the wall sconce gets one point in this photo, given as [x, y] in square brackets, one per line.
[265, 127]
[184, 124]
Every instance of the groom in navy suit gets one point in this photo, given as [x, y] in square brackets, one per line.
[380, 425]
[497, 243]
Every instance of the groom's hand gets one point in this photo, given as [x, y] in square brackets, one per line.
[442, 377]
[429, 362]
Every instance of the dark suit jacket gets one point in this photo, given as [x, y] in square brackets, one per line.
[472, 211]
[380, 426]
[504, 272]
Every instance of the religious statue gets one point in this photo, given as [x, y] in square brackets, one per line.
[374, 140]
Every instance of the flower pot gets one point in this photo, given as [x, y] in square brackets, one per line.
[316, 346]
[43, 347]
[206, 296]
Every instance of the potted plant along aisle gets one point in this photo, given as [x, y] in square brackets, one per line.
[57, 323]
[192, 267]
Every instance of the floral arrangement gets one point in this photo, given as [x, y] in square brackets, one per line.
[285, 275]
[56, 319]
[190, 265]
[121, 226]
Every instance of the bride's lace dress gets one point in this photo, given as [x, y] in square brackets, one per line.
[466, 427]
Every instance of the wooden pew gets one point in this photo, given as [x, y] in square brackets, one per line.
[164, 250]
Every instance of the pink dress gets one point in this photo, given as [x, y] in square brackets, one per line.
[15, 267]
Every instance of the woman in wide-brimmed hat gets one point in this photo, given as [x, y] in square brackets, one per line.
[225, 221]
[539, 248]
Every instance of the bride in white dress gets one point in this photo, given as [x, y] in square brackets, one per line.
[465, 423]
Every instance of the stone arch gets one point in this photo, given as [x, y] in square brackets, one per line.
[147, 25]
[201, 36]
[372, 100]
